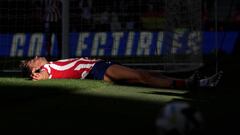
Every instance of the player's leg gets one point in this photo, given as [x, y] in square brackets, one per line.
[122, 73]
[110, 72]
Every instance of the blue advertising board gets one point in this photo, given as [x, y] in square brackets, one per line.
[120, 43]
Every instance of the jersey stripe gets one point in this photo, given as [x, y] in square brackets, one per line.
[65, 67]
[69, 68]
[81, 66]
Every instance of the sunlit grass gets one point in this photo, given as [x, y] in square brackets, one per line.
[98, 88]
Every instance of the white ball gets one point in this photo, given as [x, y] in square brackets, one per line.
[179, 118]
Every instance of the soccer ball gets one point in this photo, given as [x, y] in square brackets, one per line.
[179, 118]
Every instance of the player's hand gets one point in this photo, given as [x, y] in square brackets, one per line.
[39, 76]
[36, 76]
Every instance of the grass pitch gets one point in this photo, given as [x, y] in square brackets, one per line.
[84, 104]
[89, 107]
[95, 88]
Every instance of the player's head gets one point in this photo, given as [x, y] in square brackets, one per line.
[32, 65]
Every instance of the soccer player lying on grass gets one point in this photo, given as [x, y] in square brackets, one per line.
[82, 68]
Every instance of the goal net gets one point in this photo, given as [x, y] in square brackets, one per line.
[163, 35]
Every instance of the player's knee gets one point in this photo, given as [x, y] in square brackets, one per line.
[107, 78]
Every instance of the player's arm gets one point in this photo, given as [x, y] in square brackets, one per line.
[42, 75]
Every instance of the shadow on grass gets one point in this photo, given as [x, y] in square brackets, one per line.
[164, 93]
[219, 108]
[57, 109]
[60, 110]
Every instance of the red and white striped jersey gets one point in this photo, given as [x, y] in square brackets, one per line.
[69, 68]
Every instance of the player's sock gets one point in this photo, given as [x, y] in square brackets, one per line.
[179, 84]
[193, 81]
[189, 83]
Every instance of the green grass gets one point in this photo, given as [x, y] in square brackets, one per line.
[88, 104]
[96, 107]
[98, 88]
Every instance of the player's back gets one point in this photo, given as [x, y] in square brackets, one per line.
[70, 68]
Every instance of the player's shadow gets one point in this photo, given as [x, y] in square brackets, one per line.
[188, 95]
[173, 93]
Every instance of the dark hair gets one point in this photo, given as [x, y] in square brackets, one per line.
[24, 68]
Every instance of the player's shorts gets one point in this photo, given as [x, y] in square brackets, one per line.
[99, 69]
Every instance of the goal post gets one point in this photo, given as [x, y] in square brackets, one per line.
[65, 29]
